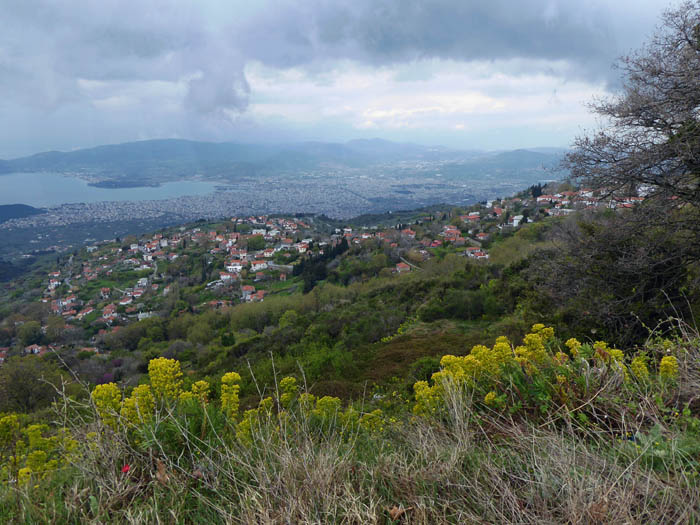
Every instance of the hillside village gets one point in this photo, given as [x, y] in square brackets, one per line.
[109, 285]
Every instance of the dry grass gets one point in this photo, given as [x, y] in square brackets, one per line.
[466, 467]
[470, 468]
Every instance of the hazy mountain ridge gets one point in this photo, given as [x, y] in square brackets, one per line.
[157, 161]
[17, 211]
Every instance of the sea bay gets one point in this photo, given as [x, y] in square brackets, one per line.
[48, 189]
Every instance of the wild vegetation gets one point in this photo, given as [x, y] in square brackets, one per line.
[544, 431]
[392, 381]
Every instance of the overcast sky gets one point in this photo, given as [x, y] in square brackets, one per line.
[484, 74]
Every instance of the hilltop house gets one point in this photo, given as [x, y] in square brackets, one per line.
[402, 267]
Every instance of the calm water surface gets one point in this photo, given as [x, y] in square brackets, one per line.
[52, 189]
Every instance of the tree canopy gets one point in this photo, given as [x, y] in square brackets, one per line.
[27, 383]
[631, 269]
[652, 141]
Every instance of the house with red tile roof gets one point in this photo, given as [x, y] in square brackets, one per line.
[402, 267]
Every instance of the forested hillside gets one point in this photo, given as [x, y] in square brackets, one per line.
[16, 211]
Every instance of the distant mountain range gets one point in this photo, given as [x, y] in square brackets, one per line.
[156, 161]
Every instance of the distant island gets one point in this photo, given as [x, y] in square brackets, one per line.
[116, 184]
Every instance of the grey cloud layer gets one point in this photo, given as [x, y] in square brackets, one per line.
[294, 33]
[47, 46]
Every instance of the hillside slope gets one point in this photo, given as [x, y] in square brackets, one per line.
[17, 211]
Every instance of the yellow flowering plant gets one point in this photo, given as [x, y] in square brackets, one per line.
[139, 407]
[327, 408]
[200, 390]
[166, 378]
[639, 368]
[573, 345]
[9, 434]
[107, 399]
[536, 374]
[373, 421]
[229, 394]
[252, 421]
[36, 456]
[289, 390]
[668, 368]
[533, 373]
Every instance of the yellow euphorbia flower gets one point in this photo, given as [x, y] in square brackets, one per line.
[229, 393]
[200, 390]
[107, 399]
[140, 406]
[166, 377]
[289, 389]
[639, 368]
[573, 345]
[668, 368]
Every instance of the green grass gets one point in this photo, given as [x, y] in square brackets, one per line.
[283, 286]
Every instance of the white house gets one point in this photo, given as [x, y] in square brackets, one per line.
[257, 266]
[234, 266]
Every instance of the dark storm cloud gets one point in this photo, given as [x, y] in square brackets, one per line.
[379, 32]
[164, 40]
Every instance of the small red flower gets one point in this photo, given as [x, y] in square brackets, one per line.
[126, 468]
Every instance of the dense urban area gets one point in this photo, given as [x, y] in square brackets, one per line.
[334, 190]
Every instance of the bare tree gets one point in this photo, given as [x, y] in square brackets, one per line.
[625, 271]
[652, 140]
